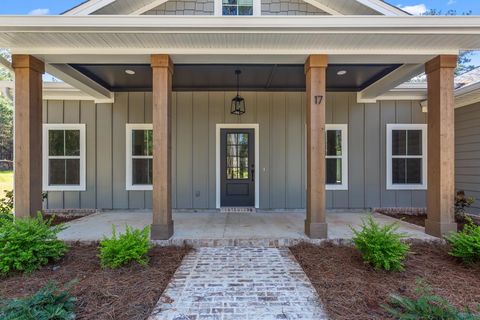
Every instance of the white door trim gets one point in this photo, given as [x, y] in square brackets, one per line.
[255, 128]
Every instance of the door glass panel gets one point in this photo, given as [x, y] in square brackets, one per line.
[237, 161]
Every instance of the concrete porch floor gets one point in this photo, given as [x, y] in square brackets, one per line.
[211, 228]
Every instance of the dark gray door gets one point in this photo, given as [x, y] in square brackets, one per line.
[237, 165]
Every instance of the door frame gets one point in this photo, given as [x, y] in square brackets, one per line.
[256, 132]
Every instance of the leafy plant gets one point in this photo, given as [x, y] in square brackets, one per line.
[462, 202]
[27, 244]
[6, 207]
[49, 303]
[133, 245]
[465, 245]
[427, 306]
[381, 246]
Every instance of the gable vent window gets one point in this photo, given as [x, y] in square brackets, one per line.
[237, 7]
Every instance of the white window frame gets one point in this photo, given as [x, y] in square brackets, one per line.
[129, 157]
[46, 157]
[343, 128]
[392, 186]
[257, 9]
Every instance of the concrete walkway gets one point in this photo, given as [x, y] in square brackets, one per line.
[226, 229]
[239, 283]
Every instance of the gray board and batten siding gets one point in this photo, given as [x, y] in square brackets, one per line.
[281, 118]
[467, 152]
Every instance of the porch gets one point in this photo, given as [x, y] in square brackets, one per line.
[215, 228]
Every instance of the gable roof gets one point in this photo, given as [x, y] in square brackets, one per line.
[334, 7]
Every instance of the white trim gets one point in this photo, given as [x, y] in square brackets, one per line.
[148, 7]
[344, 130]
[218, 9]
[389, 157]
[128, 154]
[383, 8]
[45, 172]
[323, 7]
[255, 127]
[88, 7]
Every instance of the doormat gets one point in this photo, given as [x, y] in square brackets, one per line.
[237, 210]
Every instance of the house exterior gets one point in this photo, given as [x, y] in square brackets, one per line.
[285, 104]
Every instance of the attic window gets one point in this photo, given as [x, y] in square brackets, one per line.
[237, 7]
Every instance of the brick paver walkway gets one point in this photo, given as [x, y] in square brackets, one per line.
[239, 283]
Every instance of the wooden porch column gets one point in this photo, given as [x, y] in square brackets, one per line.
[162, 224]
[441, 146]
[28, 135]
[315, 71]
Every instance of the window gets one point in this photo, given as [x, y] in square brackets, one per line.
[237, 7]
[64, 157]
[139, 150]
[336, 157]
[406, 156]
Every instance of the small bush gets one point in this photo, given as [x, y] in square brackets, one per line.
[465, 245]
[381, 246]
[27, 244]
[427, 306]
[133, 245]
[49, 303]
[461, 203]
[6, 207]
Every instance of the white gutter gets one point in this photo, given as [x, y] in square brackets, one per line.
[204, 24]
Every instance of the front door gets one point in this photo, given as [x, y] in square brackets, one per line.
[237, 165]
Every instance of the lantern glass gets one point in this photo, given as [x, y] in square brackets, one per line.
[238, 106]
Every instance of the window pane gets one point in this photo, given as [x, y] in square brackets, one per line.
[56, 172]
[245, 3]
[229, 11]
[399, 168]
[150, 142]
[243, 151]
[232, 162]
[334, 143]
[139, 143]
[231, 151]
[334, 171]
[72, 172]
[72, 142]
[141, 171]
[414, 171]
[231, 139]
[56, 142]
[243, 138]
[229, 2]
[245, 11]
[399, 142]
[414, 138]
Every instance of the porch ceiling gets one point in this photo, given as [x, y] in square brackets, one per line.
[255, 77]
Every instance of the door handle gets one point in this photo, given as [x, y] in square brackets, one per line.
[253, 175]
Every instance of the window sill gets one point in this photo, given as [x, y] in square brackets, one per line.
[331, 187]
[64, 188]
[140, 188]
[406, 187]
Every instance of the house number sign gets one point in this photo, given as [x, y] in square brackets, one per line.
[318, 100]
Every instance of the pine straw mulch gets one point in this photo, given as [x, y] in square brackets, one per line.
[419, 220]
[349, 289]
[129, 293]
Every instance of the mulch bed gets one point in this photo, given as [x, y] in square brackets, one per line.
[56, 220]
[127, 293]
[350, 289]
[419, 220]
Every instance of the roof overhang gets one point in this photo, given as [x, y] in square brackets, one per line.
[195, 35]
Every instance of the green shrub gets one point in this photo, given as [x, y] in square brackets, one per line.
[462, 202]
[465, 245]
[133, 245]
[49, 303]
[6, 207]
[427, 306]
[27, 244]
[381, 246]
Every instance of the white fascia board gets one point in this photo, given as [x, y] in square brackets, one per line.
[88, 7]
[80, 81]
[254, 24]
[383, 8]
[55, 91]
[390, 81]
[148, 7]
[323, 7]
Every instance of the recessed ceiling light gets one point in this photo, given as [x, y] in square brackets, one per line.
[130, 72]
[342, 72]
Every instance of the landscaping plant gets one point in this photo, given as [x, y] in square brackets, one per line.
[381, 246]
[6, 207]
[133, 245]
[465, 245]
[49, 303]
[426, 307]
[27, 244]
[462, 202]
